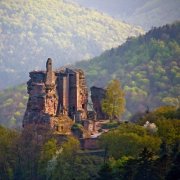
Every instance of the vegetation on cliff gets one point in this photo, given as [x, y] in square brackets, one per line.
[31, 31]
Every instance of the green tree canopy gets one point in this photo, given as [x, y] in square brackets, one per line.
[114, 102]
[129, 140]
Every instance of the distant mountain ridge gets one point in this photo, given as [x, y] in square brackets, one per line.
[146, 14]
[32, 31]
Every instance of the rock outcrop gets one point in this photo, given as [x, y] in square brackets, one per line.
[56, 97]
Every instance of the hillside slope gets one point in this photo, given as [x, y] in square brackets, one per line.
[148, 68]
[12, 106]
[145, 13]
[31, 31]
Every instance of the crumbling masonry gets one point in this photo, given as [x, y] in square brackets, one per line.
[56, 97]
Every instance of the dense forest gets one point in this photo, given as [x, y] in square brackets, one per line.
[146, 150]
[147, 67]
[146, 14]
[12, 106]
[31, 31]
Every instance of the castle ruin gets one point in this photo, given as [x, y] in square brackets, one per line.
[97, 95]
[56, 97]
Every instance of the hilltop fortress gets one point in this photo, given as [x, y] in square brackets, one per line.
[60, 98]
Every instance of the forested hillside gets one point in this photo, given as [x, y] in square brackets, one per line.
[12, 106]
[31, 31]
[131, 151]
[148, 68]
[145, 13]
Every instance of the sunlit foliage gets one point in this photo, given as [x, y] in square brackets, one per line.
[114, 102]
[31, 31]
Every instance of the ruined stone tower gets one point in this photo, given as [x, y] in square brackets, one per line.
[55, 97]
[72, 93]
[49, 73]
[97, 95]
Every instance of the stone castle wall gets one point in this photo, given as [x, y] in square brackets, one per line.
[54, 94]
[97, 95]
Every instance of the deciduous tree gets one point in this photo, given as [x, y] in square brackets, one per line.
[114, 102]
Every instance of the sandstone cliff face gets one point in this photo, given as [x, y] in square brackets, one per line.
[35, 111]
[55, 97]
